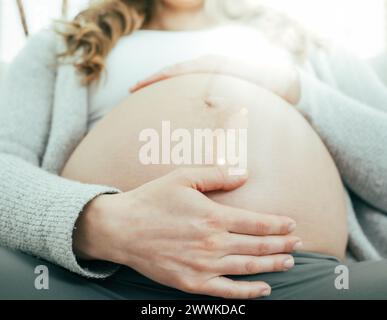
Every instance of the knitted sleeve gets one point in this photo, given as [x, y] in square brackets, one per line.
[38, 210]
[347, 105]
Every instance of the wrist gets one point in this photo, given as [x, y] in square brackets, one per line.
[88, 230]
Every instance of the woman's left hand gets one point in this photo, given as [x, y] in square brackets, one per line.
[282, 80]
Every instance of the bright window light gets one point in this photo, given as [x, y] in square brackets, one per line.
[39, 14]
[357, 25]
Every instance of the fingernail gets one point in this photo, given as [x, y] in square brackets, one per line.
[298, 246]
[292, 227]
[266, 292]
[289, 263]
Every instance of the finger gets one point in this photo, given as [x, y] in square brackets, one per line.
[204, 64]
[260, 246]
[160, 76]
[230, 289]
[247, 265]
[252, 223]
[166, 73]
[208, 179]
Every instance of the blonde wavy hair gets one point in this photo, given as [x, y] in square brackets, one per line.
[95, 31]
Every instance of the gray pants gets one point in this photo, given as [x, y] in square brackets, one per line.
[313, 277]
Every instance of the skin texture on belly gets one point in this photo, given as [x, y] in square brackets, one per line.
[290, 171]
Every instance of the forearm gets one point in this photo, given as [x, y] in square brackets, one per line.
[39, 211]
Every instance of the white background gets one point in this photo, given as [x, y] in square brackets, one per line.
[39, 13]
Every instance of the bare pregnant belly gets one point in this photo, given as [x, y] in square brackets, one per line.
[290, 171]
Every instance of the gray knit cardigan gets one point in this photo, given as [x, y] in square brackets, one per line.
[44, 115]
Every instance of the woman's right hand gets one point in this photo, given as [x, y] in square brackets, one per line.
[169, 231]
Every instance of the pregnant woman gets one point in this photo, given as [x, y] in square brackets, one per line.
[177, 233]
